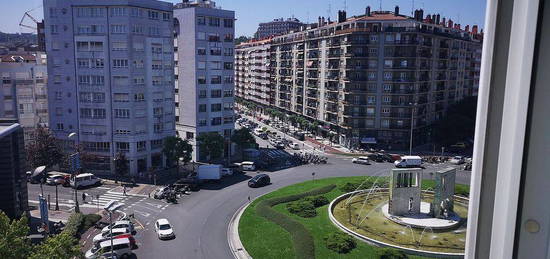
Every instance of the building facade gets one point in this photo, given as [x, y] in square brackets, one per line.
[204, 71]
[24, 91]
[111, 78]
[13, 179]
[368, 78]
[252, 73]
[277, 27]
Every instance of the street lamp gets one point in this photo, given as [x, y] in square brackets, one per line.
[39, 171]
[111, 207]
[412, 127]
[75, 164]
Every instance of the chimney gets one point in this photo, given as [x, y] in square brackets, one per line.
[420, 14]
[396, 12]
[450, 23]
[319, 21]
[467, 28]
[458, 26]
[428, 18]
[367, 11]
[437, 19]
[341, 16]
[474, 29]
[323, 21]
[443, 22]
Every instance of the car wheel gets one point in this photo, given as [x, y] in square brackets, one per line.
[124, 256]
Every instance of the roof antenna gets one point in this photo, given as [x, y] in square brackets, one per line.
[329, 11]
[307, 13]
[345, 5]
[380, 5]
[412, 9]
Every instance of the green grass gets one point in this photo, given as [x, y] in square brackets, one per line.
[265, 239]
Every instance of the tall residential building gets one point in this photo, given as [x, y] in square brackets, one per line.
[111, 78]
[204, 60]
[13, 179]
[366, 78]
[277, 27]
[24, 92]
[252, 73]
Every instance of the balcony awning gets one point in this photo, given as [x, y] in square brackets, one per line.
[368, 140]
[310, 63]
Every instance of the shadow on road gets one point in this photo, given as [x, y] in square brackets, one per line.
[225, 182]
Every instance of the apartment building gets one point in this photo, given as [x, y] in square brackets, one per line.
[277, 27]
[368, 78]
[24, 92]
[13, 179]
[204, 70]
[111, 78]
[252, 73]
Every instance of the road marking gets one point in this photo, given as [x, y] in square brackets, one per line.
[104, 188]
[144, 214]
[155, 205]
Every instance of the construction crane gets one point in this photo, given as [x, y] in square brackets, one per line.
[27, 14]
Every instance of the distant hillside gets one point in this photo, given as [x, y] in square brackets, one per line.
[16, 38]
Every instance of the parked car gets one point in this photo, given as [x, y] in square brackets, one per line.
[84, 180]
[227, 171]
[295, 146]
[121, 247]
[248, 166]
[457, 160]
[55, 179]
[259, 180]
[192, 183]
[107, 235]
[164, 229]
[161, 192]
[409, 161]
[361, 160]
[120, 224]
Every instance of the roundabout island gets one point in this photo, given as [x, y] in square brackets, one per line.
[377, 210]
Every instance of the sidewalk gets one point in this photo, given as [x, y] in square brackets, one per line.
[235, 244]
[53, 215]
[141, 190]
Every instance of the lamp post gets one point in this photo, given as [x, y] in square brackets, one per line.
[111, 207]
[56, 200]
[412, 127]
[75, 164]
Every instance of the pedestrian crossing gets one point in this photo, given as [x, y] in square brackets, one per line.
[104, 199]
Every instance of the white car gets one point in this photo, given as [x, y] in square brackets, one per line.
[227, 171]
[55, 179]
[120, 224]
[164, 229]
[457, 160]
[361, 160]
[107, 235]
[121, 248]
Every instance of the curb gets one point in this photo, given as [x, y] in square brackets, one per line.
[237, 248]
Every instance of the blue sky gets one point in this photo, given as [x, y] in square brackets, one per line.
[251, 12]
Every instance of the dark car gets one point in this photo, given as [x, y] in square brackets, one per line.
[259, 180]
[192, 183]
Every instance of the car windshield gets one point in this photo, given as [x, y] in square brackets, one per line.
[164, 227]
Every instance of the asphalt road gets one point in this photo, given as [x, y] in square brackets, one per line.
[200, 220]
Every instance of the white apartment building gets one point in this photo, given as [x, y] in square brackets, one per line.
[204, 57]
[23, 90]
[111, 78]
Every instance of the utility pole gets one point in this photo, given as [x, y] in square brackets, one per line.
[56, 200]
[412, 127]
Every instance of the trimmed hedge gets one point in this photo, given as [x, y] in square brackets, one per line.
[302, 208]
[301, 238]
[340, 242]
[78, 223]
[391, 253]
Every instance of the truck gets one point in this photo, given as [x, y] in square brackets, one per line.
[209, 173]
[408, 161]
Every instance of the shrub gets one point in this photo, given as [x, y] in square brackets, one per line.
[349, 187]
[303, 208]
[78, 223]
[319, 201]
[391, 253]
[301, 238]
[340, 242]
[90, 220]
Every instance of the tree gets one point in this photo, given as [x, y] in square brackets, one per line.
[241, 39]
[458, 123]
[176, 148]
[243, 138]
[211, 144]
[121, 164]
[13, 237]
[59, 246]
[43, 149]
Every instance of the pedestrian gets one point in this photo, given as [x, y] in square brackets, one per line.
[248, 198]
[84, 197]
[124, 190]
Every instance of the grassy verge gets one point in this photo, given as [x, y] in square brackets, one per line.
[265, 239]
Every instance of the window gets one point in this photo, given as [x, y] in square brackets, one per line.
[385, 123]
[141, 145]
[387, 87]
[59, 126]
[120, 63]
[228, 23]
[202, 122]
[201, 65]
[119, 28]
[122, 113]
[215, 51]
[58, 95]
[228, 65]
[201, 51]
[227, 106]
[213, 21]
[385, 111]
[228, 37]
[139, 97]
[165, 16]
[136, 12]
[215, 65]
[88, 113]
[201, 20]
[202, 107]
[201, 36]
[139, 80]
[153, 15]
[202, 94]
[216, 93]
[228, 120]
[119, 11]
[216, 80]
[228, 79]
[91, 80]
[388, 75]
[386, 99]
[90, 12]
[371, 99]
[216, 121]
[122, 146]
[158, 127]
[156, 65]
[121, 97]
[228, 51]
[138, 63]
[156, 144]
[201, 80]
[370, 111]
[228, 93]
[53, 29]
[90, 29]
[189, 135]
[216, 107]
[58, 111]
[138, 29]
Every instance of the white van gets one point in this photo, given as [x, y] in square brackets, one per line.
[248, 166]
[408, 161]
[121, 247]
[84, 180]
